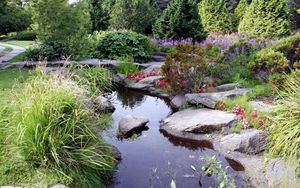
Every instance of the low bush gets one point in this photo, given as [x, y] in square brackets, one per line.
[186, 68]
[116, 44]
[268, 62]
[53, 128]
[26, 35]
[127, 67]
[285, 132]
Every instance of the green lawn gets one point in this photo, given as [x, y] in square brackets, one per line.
[18, 58]
[5, 51]
[23, 43]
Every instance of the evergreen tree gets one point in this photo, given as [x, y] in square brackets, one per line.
[267, 18]
[240, 10]
[180, 20]
[215, 16]
[100, 15]
[135, 15]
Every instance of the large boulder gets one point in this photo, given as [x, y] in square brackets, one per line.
[178, 101]
[249, 142]
[102, 104]
[129, 124]
[210, 100]
[199, 121]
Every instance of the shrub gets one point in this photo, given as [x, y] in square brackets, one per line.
[180, 20]
[135, 15]
[185, 69]
[268, 61]
[100, 15]
[127, 67]
[240, 11]
[215, 16]
[26, 35]
[285, 131]
[118, 44]
[62, 23]
[266, 18]
[53, 128]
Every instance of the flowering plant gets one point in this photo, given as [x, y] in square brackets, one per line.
[137, 76]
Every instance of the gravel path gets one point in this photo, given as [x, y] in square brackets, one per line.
[16, 51]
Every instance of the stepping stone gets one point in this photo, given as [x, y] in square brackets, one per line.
[129, 124]
[199, 121]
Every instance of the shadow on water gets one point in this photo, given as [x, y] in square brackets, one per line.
[155, 158]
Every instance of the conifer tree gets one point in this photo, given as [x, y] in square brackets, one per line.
[215, 16]
[267, 18]
[180, 20]
[240, 10]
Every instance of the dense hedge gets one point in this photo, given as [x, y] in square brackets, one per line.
[118, 44]
[267, 18]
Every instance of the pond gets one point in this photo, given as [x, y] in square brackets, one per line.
[154, 158]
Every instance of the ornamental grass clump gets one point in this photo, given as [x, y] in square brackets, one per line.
[52, 128]
[285, 132]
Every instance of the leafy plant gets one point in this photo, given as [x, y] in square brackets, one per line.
[26, 35]
[127, 67]
[215, 16]
[266, 18]
[180, 20]
[286, 125]
[118, 44]
[185, 69]
[215, 168]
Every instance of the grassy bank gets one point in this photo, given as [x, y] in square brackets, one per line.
[5, 51]
[48, 135]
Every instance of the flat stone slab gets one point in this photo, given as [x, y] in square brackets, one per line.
[138, 86]
[226, 87]
[249, 141]
[129, 124]
[58, 186]
[150, 80]
[199, 121]
[210, 100]
[262, 106]
[178, 101]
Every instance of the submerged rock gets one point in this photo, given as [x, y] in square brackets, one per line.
[199, 121]
[102, 104]
[129, 124]
[210, 100]
[249, 141]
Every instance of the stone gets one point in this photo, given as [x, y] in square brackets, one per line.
[199, 121]
[116, 153]
[103, 104]
[119, 78]
[10, 187]
[129, 124]
[226, 87]
[58, 186]
[138, 86]
[210, 100]
[151, 80]
[262, 106]
[178, 101]
[249, 142]
[155, 67]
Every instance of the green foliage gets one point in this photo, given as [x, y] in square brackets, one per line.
[57, 21]
[215, 168]
[13, 17]
[185, 69]
[269, 61]
[52, 128]
[180, 20]
[285, 132]
[100, 14]
[240, 11]
[266, 18]
[119, 44]
[127, 66]
[135, 15]
[215, 16]
[26, 35]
